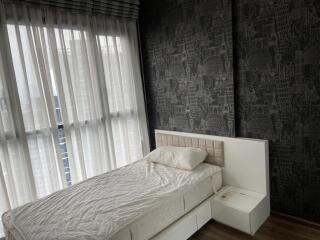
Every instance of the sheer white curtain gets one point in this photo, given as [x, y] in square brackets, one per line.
[75, 107]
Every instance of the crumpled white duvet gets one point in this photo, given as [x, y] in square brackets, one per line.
[101, 206]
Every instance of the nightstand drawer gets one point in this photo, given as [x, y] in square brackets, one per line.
[231, 217]
[239, 208]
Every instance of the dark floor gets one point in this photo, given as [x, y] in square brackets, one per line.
[275, 228]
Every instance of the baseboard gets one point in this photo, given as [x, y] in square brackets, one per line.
[297, 220]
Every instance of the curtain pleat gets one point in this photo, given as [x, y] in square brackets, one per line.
[109, 145]
[75, 107]
[15, 161]
[36, 102]
[16, 177]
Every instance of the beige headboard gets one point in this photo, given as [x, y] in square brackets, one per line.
[214, 148]
[244, 161]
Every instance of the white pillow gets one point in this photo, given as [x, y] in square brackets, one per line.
[186, 158]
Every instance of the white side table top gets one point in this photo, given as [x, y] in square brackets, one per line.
[237, 198]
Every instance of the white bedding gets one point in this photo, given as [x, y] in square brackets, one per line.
[103, 206]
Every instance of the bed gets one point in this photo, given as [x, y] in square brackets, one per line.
[135, 202]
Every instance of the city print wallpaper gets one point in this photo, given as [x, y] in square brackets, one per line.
[278, 95]
[187, 47]
[241, 68]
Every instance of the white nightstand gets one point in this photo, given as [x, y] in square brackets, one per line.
[241, 209]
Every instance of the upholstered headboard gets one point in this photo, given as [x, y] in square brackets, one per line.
[214, 148]
[244, 161]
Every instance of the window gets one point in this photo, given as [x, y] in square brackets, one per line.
[29, 87]
[50, 62]
[76, 101]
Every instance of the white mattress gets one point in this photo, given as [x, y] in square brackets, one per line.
[133, 202]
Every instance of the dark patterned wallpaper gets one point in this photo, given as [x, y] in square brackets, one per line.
[187, 48]
[187, 53]
[278, 95]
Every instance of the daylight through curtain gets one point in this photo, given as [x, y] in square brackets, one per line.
[75, 107]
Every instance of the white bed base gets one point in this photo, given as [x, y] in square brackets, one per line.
[190, 223]
[246, 166]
